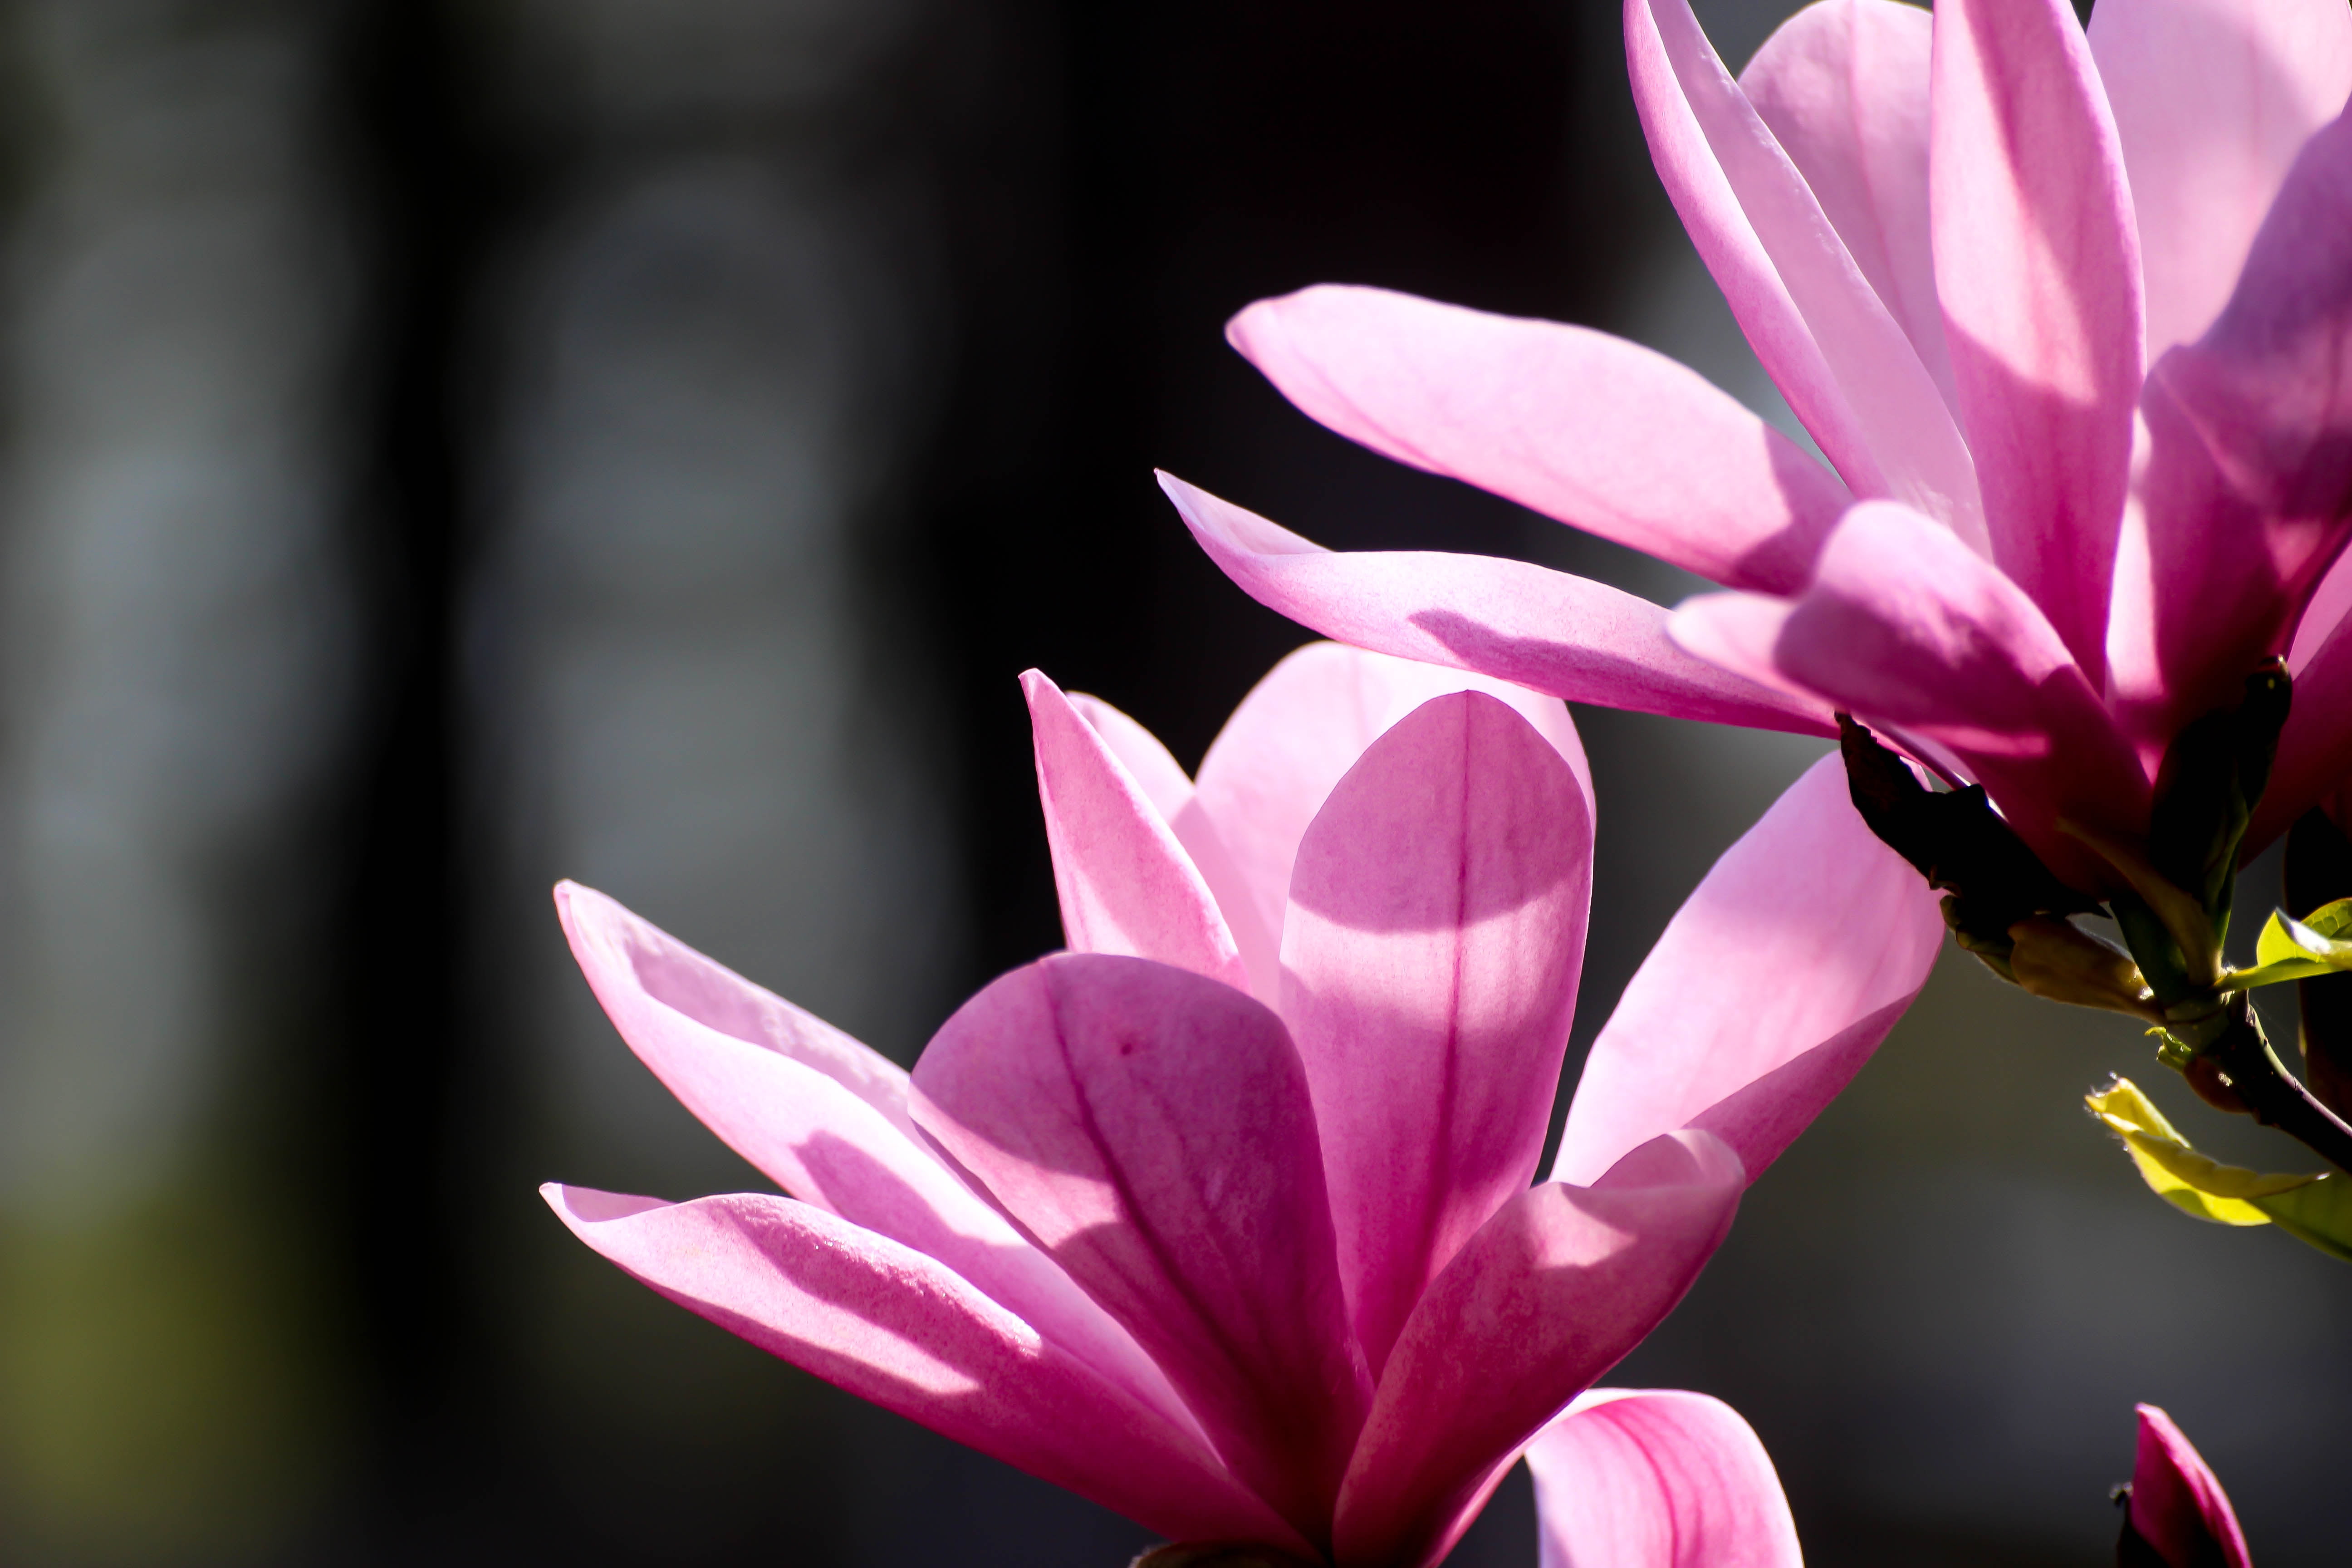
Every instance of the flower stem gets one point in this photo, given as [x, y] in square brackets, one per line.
[2273, 1095]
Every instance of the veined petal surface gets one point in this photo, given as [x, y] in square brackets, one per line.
[1599, 433]
[2038, 267]
[1548, 1296]
[1772, 986]
[1541, 629]
[1287, 747]
[1658, 1478]
[904, 1331]
[1429, 963]
[1152, 1131]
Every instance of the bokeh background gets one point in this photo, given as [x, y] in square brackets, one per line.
[447, 445]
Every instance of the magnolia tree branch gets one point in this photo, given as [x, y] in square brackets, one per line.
[2272, 1095]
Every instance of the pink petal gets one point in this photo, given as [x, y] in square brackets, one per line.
[1548, 1296]
[2248, 489]
[1159, 776]
[1152, 1131]
[1826, 336]
[1600, 433]
[2213, 99]
[1771, 988]
[1430, 959]
[2037, 263]
[2177, 1504]
[2327, 609]
[2314, 754]
[1843, 86]
[1905, 626]
[1538, 629]
[901, 1329]
[1658, 1478]
[1288, 745]
[1126, 883]
[826, 1119]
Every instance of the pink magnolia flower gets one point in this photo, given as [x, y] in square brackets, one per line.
[1229, 1226]
[2178, 1517]
[2066, 316]
[1657, 1479]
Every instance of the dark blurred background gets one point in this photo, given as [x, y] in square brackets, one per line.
[451, 445]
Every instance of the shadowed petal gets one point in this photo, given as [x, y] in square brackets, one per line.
[906, 1332]
[1843, 86]
[1599, 433]
[2248, 487]
[1823, 332]
[1658, 1478]
[2037, 263]
[2177, 1505]
[2314, 754]
[2213, 99]
[1904, 625]
[1780, 975]
[1538, 629]
[826, 1119]
[1287, 746]
[1159, 775]
[1126, 884]
[1152, 1131]
[1430, 961]
[1548, 1296]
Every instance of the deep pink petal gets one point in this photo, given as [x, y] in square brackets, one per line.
[1821, 331]
[1127, 885]
[2037, 263]
[905, 1332]
[1288, 744]
[1843, 86]
[1658, 1478]
[2178, 1505]
[1548, 1296]
[1780, 975]
[2248, 487]
[1430, 960]
[1904, 626]
[826, 1119]
[1152, 1131]
[2314, 754]
[1538, 629]
[1593, 430]
[2327, 609]
[2213, 99]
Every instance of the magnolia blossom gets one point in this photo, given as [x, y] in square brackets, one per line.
[2065, 316]
[2178, 1511]
[1224, 1218]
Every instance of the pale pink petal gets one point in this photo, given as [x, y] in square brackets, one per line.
[1821, 331]
[826, 1119]
[1289, 742]
[1593, 430]
[2037, 264]
[1430, 961]
[1905, 626]
[1658, 1478]
[903, 1330]
[2248, 487]
[1548, 1296]
[2213, 99]
[1843, 86]
[1159, 776]
[1152, 1131]
[1537, 628]
[1779, 976]
[1127, 885]
[2178, 1505]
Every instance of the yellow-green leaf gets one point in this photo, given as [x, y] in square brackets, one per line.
[2290, 949]
[2314, 1209]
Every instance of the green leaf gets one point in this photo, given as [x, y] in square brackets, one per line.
[2315, 1209]
[2290, 949]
